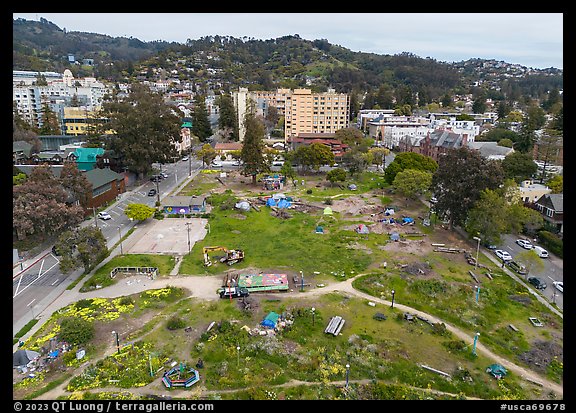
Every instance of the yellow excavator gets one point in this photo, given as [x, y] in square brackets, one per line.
[230, 257]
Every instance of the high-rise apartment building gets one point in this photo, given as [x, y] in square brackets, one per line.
[303, 111]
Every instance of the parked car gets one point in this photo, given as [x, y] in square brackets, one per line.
[524, 243]
[233, 292]
[542, 253]
[216, 164]
[490, 245]
[152, 192]
[185, 158]
[503, 255]
[163, 175]
[516, 266]
[104, 215]
[559, 285]
[537, 283]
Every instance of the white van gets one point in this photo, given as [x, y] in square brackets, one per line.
[542, 253]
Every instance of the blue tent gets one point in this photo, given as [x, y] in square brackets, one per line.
[270, 320]
[270, 202]
[407, 220]
[283, 203]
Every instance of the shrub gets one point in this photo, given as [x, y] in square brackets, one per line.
[76, 331]
[175, 323]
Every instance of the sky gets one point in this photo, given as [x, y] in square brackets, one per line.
[529, 39]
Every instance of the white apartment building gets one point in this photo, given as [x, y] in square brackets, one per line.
[58, 93]
[388, 130]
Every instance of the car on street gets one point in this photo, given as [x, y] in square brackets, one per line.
[152, 192]
[516, 266]
[537, 283]
[216, 164]
[559, 285]
[234, 292]
[503, 255]
[163, 175]
[185, 158]
[524, 243]
[104, 215]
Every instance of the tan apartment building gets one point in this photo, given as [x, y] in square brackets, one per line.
[303, 111]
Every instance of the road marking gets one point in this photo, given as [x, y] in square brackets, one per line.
[30, 302]
[55, 282]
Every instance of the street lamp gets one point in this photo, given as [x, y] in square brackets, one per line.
[120, 234]
[347, 374]
[188, 229]
[157, 190]
[393, 292]
[477, 251]
[475, 340]
[95, 220]
[117, 341]
[477, 287]
[313, 309]
[238, 351]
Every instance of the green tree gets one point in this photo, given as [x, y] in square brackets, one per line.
[379, 156]
[50, 124]
[91, 246]
[519, 166]
[287, 170]
[145, 129]
[207, 154]
[336, 175]
[227, 119]
[531, 261]
[139, 212]
[75, 183]
[411, 182]
[200, 122]
[349, 136]
[253, 146]
[409, 160]
[461, 176]
[487, 218]
[556, 184]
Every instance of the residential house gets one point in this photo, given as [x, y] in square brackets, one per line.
[106, 186]
[551, 206]
[531, 192]
[86, 157]
[329, 139]
[491, 150]
[225, 149]
[21, 151]
[440, 142]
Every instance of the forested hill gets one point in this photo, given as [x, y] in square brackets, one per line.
[287, 61]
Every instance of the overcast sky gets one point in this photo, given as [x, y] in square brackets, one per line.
[530, 39]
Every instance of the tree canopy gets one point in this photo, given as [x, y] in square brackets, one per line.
[409, 160]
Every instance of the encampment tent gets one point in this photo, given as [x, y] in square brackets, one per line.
[243, 205]
[283, 203]
[362, 229]
[327, 211]
[395, 236]
[497, 370]
[270, 202]
[23, 357]
[270, 320]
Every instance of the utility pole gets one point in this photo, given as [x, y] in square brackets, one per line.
[95, 219]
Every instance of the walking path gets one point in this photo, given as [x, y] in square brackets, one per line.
[204, 287]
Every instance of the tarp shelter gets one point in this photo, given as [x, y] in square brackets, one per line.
[407, 220]
[270, 202]
[270, 320]
[362, 229]
[23, 357]
[389, 211]
[352, 187]
[243, 205]
[319, 230]
[497, 370]
[327, 211]
[283, 203]
[395, 236]
[278, 196]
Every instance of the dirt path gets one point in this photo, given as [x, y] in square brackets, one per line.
[204, 287]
